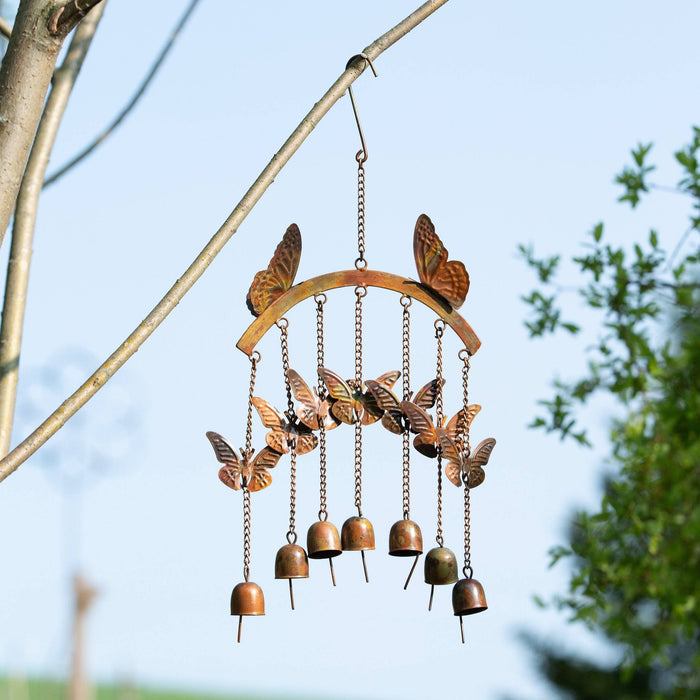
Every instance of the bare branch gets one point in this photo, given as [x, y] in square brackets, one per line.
[65, 18]
[25, 220]
[132, 102]
[5, 28]
[119, 357]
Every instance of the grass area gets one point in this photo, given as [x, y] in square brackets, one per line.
[47, 689]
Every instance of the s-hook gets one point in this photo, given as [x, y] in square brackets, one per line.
[361, 156]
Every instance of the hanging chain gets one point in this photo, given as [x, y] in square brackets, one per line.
[246, 533]
[321, 391]
[406, 302]
[254, 359]
[439, 412]
[292, 535]
[360, 263]
[283, 325]
[439, 418]
[360, 292]
[467, 534]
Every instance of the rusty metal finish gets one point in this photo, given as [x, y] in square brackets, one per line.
[323, 540]
[394, 419]
[273, 282]
[241, 469]
[468, 597]
[291, 562]
[284, 433]
[354, 278]
[405, 539]
[312, 411]
[247, 599]
[357, 534]
[440, 566]
[350, 403]
[467, 468]
[449, 279]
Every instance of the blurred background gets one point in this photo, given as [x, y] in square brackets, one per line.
[504, 122]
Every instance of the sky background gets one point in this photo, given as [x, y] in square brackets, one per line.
[505, 122]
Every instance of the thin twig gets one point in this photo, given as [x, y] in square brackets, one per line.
[5, 28]
[130, 104]
[94, 383]
[25, 220]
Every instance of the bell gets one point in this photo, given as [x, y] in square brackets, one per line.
[468, 598]
[440, 569]
[291, 562]
[406, 540]
[357, 535]
[323, 542]
[247, 599]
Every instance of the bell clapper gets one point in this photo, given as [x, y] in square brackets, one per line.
[330, 563]
[430, 602]
[240, 624]
[364, 566]
[461, 626]
[410, 573]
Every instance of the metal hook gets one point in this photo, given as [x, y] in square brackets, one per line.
[361, 156]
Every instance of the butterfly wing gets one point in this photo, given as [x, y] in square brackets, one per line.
[478, 461]
[389, 404]
[421, 423]
[426, 396]
[259, 476]
[449, 279]
[461, 420]
[309, 405]
[305, 442]
[230, 473]
[345, 403]
[277, 438]
[453, 471]
[388, 379]
[268, 285]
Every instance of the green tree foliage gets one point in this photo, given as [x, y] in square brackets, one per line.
[636, 561]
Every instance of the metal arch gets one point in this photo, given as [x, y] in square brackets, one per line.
[355, 278]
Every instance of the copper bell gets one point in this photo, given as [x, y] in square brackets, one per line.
[406, 540]
[323, 542]
[468, 598]
[357, 535]
[247, 599]
[291, 562]
[440, 569]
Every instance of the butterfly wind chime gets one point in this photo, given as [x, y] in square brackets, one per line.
[333, 401]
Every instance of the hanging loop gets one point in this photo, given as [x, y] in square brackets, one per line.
[468, 572]
[361, 156]
[406, 301]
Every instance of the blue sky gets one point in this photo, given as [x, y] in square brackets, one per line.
[504, 122]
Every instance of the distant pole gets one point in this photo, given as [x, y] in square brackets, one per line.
[85, 594]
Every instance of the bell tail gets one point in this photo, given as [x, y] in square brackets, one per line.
[364, 566]
[410, 573]
[291, 593]
[330, 563]
[240, 624]
[430, 603]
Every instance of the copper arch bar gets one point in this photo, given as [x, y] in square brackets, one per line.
[354, 278]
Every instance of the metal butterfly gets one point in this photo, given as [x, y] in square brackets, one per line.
[242, 470]
[268, 285]
[311, 411]
[449, 280]
[394, 419]
[351, 403]
[469, 468]
[282, 431]
[429, 435]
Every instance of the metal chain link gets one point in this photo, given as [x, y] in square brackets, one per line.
[291, 534]
[467, 534]
[439, 418]
[246, 533]
[283, 325]
[321, 391]
[360, 263]
[438, 537]
[406, 302]
[360, 292]
[464, 423]
[254, 359]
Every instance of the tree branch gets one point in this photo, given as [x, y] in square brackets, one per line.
[25, 221]
[119, 357]
[5, 28]
[132, 102]
[65, 18]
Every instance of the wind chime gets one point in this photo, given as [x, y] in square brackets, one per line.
[359, 402]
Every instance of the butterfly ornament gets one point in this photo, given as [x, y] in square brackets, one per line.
[270, 284]
[311, 410]
[242, 470]
[447, 278]
[283, 432]
[431, 437]
[394, 418]
[350, 403]
[470, 467]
